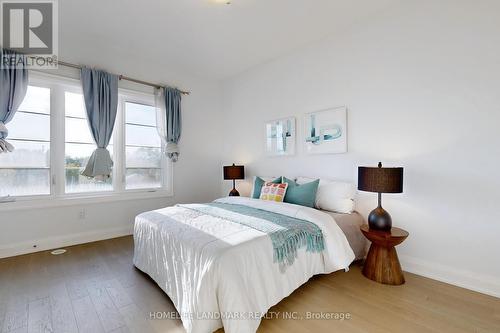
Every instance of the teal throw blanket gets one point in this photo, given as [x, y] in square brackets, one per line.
[287, 234]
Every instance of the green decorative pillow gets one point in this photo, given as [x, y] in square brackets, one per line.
[258, 183]
[301, 194]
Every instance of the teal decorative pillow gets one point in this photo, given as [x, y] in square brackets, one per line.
[301, 194]
[258, 183]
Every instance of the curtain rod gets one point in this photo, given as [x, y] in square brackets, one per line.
[121, 77]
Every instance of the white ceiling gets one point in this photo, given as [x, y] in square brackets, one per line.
[205, 38]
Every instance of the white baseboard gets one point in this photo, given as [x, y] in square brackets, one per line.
[485, 284]
[49, 243]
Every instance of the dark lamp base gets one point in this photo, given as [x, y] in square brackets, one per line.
[234, 193]
[379, 219]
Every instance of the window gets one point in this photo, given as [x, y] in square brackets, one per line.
[79, 145]
[142, 147]
[26, 170]
[53, 143]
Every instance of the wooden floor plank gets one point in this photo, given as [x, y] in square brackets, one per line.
[118, 295]
[110, 317]
[95, 288]
[3, 308]
[5, 282]
[23, 329]
[16, 313]
[418, 307]
[121, 330]
[39, 316]
[136, 319]
[87, 319]
[63, 317]
[76, 289]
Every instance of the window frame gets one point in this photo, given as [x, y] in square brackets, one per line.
[165, 164]
[37, 141]
[58, 85]
[47, 84]
[144, 100]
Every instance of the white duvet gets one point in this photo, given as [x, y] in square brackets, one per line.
[220, 273]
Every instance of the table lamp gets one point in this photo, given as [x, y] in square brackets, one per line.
[233, 172]
[380, 180]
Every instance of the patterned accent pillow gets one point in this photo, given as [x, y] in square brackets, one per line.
[258, 182]
[273, 192]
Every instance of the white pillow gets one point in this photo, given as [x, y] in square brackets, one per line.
[334, 196]
[268, 179]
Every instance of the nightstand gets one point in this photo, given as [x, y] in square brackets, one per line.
[382, 263]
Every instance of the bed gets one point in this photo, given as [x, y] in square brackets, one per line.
[349, 224]
[220, 273]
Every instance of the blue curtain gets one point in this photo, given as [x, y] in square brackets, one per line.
[169, 120]
[13, 87]
[100, 92]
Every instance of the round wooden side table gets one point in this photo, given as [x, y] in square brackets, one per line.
[382, 263]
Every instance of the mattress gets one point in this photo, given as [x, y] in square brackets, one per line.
[349, 224]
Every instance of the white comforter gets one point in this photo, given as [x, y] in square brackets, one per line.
[220, 273]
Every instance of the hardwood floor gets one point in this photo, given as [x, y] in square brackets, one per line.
[95, 288]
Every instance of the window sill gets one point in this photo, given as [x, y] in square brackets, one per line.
[84, 199]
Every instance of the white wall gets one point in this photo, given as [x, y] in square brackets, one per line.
[421, 83]
[193, 181]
